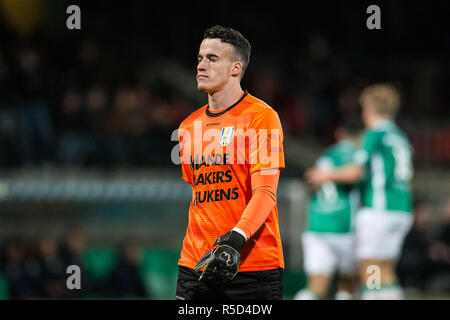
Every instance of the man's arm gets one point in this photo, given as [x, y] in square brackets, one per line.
[264, 195]
[348, 174]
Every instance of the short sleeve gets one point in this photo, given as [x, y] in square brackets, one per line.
[266, 146]
[325, 163]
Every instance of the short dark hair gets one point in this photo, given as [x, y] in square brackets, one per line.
[233, 37]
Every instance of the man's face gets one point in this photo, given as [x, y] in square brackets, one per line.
[367, 115]
[215, 65]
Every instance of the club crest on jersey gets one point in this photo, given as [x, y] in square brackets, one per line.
[226, 135]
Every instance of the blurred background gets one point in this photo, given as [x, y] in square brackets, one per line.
[86, 118]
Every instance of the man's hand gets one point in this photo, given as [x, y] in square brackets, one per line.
[222, 263]
[316, 177]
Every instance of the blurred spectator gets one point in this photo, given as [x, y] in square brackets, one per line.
[73, 145]
[89, 66]
[20, 274]
[415, 266]
[71, 253]
[72, 248]
[439, 252]
[96, 107]
[319, 71]
[52, 276]
[348, 100]
[126, 279]
[8, 118]
[125, 120]
[96, 103]
[35, 124]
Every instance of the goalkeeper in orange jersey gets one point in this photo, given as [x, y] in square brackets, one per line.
[232, 153]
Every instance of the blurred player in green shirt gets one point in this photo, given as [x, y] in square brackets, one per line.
[383, 164]
[329, 241]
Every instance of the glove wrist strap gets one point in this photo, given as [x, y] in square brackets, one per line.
[233, 239]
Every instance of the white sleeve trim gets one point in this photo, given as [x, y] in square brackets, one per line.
[240, 232]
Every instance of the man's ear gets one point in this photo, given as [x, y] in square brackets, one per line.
[236, 69]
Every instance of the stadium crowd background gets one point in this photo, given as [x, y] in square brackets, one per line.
[110, 95]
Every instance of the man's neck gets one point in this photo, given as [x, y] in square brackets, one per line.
[380, 122]
[224, 98]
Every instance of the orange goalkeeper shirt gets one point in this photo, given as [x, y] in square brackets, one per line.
[219, 152]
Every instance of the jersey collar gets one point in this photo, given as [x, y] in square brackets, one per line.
[216, 114]
[383, 123]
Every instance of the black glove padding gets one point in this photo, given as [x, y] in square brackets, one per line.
[222, 263]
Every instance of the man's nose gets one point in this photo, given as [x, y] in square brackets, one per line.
[201, 66]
